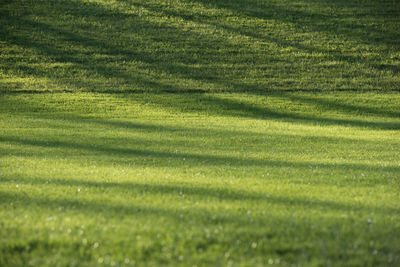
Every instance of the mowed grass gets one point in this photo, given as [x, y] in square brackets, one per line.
[199, 133]
[207, 179]
[199, 45]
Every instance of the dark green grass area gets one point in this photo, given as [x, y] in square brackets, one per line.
[199, 133]
[193, 45]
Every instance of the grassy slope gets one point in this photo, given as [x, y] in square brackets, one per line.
[240, 165]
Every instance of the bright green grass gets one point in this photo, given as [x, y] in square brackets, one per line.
[199, 179]
[220, 133]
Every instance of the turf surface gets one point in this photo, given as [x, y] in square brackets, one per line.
[200, 45]
[199, 133]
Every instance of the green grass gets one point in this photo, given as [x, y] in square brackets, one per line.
[199, 133]
[207, 179]
[199, 45]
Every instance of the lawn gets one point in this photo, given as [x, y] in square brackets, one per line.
[199, 133]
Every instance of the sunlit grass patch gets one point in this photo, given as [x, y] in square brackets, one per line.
[195, 178]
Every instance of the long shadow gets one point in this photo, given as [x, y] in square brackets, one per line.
[215, 104]
[132, 156]
[319, 22]
[212, 104]
[188, 131]
[218, 105]
[144, 82]
[254, 227]
[331, 104]
[207, 193]
[280, 14]
[101, 207]
[108, 48]
[229, 106]
[85, 62]
[55, 121]
[257, 33]
[173, 64]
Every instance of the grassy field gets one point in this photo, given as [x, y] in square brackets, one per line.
[199, 133]
[199, 45]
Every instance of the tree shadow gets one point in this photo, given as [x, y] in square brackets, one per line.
[169, 153]
[201, 193]
[183, 77]
[176, 63]
[237, 108]
[173, 70]
[234, 225]
[317, 20]
[83, 61]
[317, 108]
[206, 194]
[337, 105]
[312, 22]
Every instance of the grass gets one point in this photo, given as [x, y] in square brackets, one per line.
[199, 133]
[129, 180]
[199, 45]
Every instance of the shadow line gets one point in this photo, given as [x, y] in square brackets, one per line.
[218, 194]
[190, 158]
